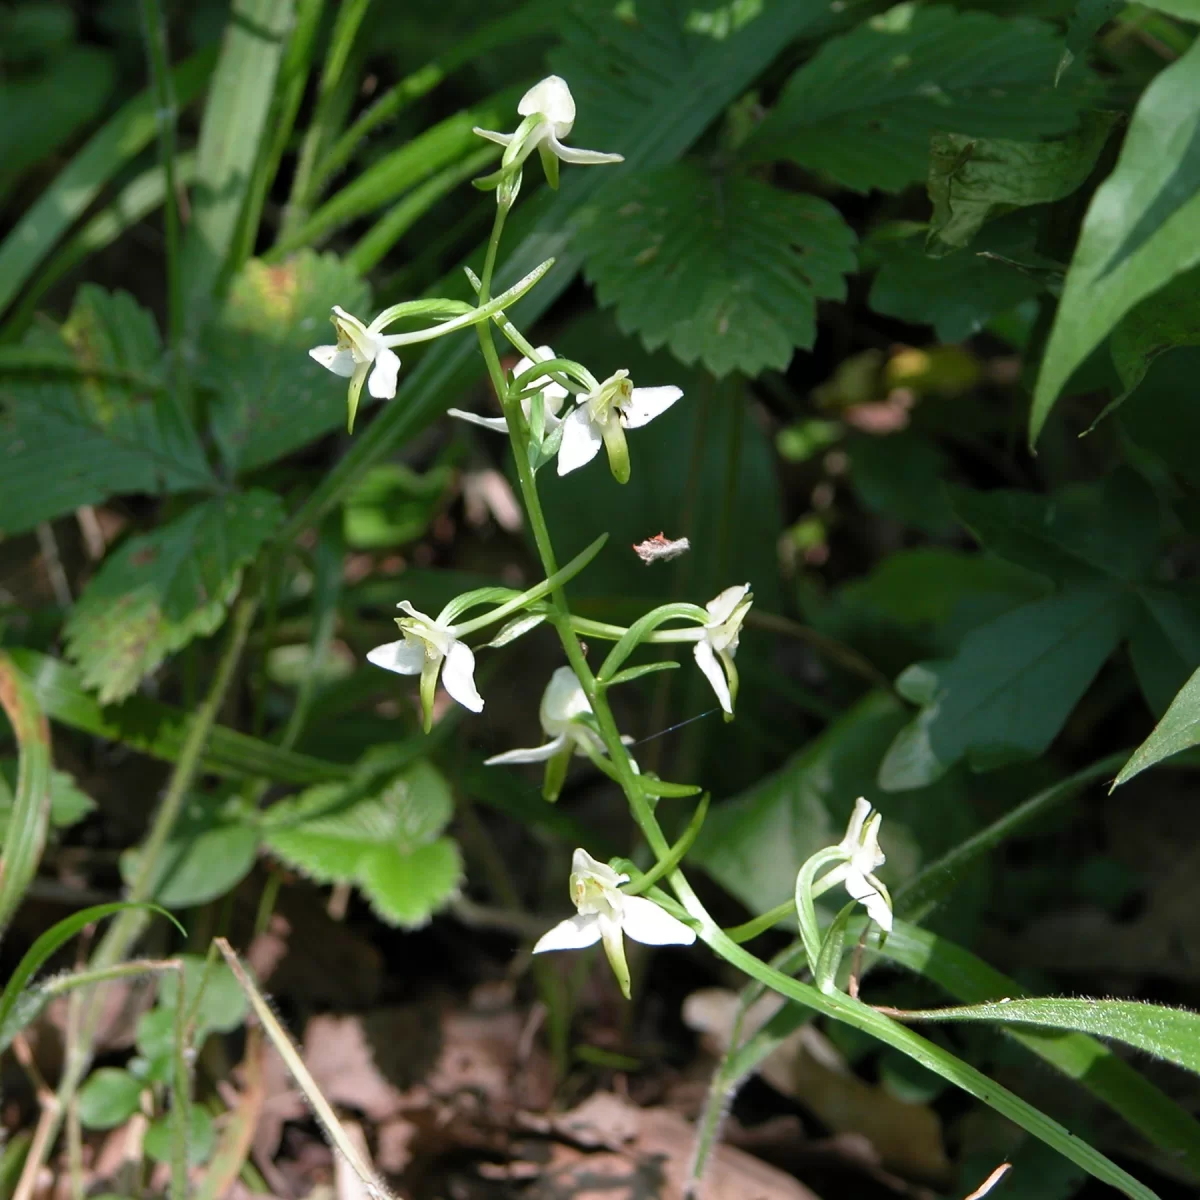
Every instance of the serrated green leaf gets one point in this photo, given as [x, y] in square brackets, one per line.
[1010, 688]
[94, 422]
[971, 178]
[723, 269]
[211, 849]
[1141, 228]
[68, 805]
[406, 889]
[108, 1097]
[863, 107]
[384, 838]
[161, 590]
[1178, 730]
[269, 396]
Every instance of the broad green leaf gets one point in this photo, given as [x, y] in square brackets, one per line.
[1178, 730]
[200, 1137]
[1010, 688]
[646, 89]
[161, 730]
[1165, 642]
[973, 179]
[1086, 21]
[108, 1098]
[210, 851]
[1118, 1084]
[120, 140]
[957, 293]
[890, 475]
[1141, 228]
[68, 805]
[269, 397]
[54, 102]
[222, 1006]
[381, 835]
[1172, 1034]
[235, 115]
[29, 815]
[94, 422]
[161, 590]
[754, 844]
[1165, 319]
[863, 107]
[723, 269]
[1080, 533]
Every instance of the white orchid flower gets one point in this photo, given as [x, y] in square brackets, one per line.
[718, 642]
[430, 648]
[863, 855]
[549, 111]
[553, 395]
[607, 914]
[362, 354]
[603, 415]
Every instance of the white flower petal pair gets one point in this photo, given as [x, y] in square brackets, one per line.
[362, 354]
[863, 855]
[550, 101]
[430, 648]
[606, 914]
[601, 418]
[719, 642]
[553, 395]
[563, 703]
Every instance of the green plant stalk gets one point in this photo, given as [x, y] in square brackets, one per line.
[836, 1005]
[128, 927]
[155, 34]
[181, 1098]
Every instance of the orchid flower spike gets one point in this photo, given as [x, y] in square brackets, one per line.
[549, 111]
[430, 648]
[603, 415]
[863, 855]
[552, 394]
[606, 914]
[563, 706]
[361, 354]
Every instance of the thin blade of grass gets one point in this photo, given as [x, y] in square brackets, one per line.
[26, 837]
[125, 135]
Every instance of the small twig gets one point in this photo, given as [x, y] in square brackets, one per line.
[990, 1182]
[48, 545]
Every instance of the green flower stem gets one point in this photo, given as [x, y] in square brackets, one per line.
[751, 929]
[537, 592]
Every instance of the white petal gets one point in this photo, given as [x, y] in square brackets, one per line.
[402, 657]
[581, 441]
[573, 934]
[706, 660]
[406, 606]
[582, 158]
[340, 362]
[555, 393]
[647, 403]
[382, 384]
[501, 139]
[458, 677]
[645, 922]
[721, 607]
[552, 98]
[582, 863]
[536, 754]
[861, 889]
[499, 424]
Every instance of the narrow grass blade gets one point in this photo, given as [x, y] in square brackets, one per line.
[161, 730]
[235, 118]
[125, 135]
[26, 837]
